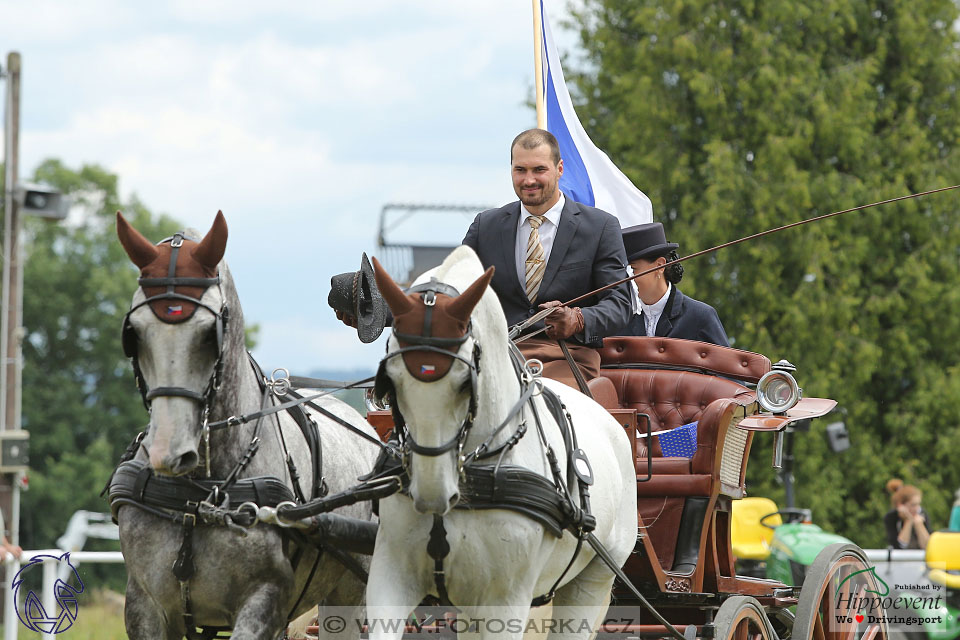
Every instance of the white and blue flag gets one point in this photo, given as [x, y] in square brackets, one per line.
[588, 174]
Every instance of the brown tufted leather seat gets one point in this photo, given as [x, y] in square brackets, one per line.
[673, 382]
[676, 382]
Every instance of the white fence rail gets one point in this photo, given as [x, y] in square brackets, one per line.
[11, 622]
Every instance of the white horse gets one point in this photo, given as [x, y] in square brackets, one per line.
[187, 344]
[499, 560]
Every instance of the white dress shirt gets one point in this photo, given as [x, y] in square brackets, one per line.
[548, 231]
[652, 312]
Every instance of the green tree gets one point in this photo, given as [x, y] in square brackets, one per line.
[737, 116]
[79, 401]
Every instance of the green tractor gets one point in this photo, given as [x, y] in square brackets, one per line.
[780, 544]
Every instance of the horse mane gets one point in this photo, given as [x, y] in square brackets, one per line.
[234, 343]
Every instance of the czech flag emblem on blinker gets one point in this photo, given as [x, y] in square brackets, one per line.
[427, 370]
[175, 310]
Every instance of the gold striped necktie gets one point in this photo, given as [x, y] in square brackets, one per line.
[535, 263]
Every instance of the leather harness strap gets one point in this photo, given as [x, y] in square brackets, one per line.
[575, 369]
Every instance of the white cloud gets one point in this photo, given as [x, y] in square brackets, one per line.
[299, 120]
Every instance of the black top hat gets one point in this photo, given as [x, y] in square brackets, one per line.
[646, 241]
[355, 293]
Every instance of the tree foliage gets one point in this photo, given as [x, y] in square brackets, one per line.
[79, 401]
[739, 116]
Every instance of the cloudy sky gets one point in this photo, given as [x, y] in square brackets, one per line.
[298, 119]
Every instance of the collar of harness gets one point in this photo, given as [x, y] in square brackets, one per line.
[174, 282]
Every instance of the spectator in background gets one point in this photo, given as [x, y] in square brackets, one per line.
[5, 545]
[907, 524]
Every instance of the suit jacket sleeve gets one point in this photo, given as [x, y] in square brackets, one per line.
[712, 329]
[610, 311]
[473, 235]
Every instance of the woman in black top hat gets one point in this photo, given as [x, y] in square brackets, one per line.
[662, 310]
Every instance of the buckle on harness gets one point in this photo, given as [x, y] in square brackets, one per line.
[176, 240]
[429, 298]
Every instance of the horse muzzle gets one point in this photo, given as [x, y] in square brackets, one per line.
[436, 506]
[173, 445]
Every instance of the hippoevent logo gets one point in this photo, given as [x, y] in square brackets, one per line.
[905, 608]
[880, 581]
[33, 615]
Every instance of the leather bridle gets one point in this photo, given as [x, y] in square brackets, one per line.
[427, 342]
[171, 282]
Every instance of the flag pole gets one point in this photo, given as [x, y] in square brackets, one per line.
[538, 63]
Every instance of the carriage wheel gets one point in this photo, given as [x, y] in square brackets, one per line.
[742, 618]
[834, 585]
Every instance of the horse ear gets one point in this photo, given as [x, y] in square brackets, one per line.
[140, 250]
[462, 306]
[210, 250]
[396, 299]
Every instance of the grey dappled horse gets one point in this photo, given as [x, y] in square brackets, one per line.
[249, 583]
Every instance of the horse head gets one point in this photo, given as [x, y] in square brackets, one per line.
[174, 333]
[433, 383]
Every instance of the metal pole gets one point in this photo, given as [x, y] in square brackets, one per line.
[10, 302]
[11, 228]
[11, 622]
[15, 508]
[538, 65]
[787, 472]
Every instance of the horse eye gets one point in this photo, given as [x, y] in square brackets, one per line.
[210, 338]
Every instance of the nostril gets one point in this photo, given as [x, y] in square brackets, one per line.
[186, 463]
[454, 499]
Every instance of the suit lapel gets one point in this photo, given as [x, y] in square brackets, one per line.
[569, 221]
[508, 245]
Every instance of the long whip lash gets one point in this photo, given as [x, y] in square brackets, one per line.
[543, 314]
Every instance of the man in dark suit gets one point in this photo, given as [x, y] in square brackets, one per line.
[548, 249]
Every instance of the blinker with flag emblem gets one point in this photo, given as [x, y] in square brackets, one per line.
[175, 310]
[427, 369]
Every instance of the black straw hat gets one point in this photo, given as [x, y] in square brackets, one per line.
[646, 241]
[356, 294]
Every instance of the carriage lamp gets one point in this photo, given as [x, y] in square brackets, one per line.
[777, 391]
[372, 403]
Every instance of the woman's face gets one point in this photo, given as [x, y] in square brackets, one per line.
[913, 505]
[652, 285]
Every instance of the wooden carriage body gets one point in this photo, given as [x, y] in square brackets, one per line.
[683, 562]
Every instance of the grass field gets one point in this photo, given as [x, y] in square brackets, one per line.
[95, 621]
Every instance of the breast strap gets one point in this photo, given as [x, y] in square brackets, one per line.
[515, 489]
[135, 480]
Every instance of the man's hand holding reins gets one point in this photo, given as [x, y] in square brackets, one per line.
[563, 322]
